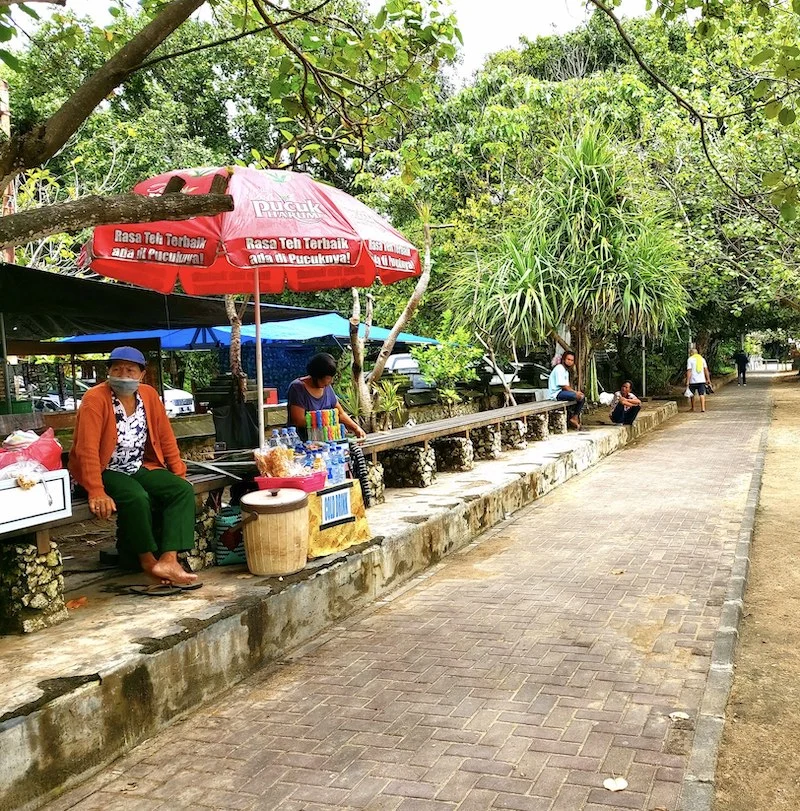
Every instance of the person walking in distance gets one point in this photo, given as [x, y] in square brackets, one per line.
[698, 378]
[742, 362]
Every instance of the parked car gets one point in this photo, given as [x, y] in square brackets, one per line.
[405, 364]
[537, 374]
[487, 368]
[46, 405]
[176, 401]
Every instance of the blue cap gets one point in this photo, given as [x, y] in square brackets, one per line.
[128, 353]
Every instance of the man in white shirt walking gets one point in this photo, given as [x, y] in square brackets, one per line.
[559, 388]
[698, 378]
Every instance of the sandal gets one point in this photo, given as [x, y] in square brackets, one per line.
[164, 589]
[155, 590]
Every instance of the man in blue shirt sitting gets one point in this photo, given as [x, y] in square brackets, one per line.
[559, 388]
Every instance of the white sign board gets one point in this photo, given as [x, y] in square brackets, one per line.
[46, 501]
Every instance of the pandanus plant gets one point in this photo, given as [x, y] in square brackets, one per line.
[593, 254]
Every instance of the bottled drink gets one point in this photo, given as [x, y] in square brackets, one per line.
[285, 441]
[334, 465]
[275, 439]
[340, 472]
[319, 463]
[326, 458]
[294, 438]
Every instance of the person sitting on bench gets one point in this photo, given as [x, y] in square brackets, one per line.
[559, 388]
[124, 454]
[625, 406]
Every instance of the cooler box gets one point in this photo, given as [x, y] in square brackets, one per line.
[46, 501]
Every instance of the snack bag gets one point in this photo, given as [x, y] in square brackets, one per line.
[46, 450]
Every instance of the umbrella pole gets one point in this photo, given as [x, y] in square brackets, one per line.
[6, 366]
[259, 368]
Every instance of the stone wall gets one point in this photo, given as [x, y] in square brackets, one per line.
[453, 453]
[413, 466]
[197, 449]
[438, 411]
[31, 587]
[557, 421]
[513, 435]
[376, 482]
[538, 428]
[487, 442]
[201, 555]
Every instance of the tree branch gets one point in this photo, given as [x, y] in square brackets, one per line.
[300, 15]
[32, 148]
[359, 383]
[197, 48]
[408, 311]
[701, 118]
[95, 210]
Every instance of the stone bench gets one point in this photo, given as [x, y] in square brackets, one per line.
[411, 455]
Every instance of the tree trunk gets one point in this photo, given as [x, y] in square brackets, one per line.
[70, 217]
[489, 347]
[236, 346]
[702, 341]
[583, 350]
[30, 149]
[357, 343]
[410, 308]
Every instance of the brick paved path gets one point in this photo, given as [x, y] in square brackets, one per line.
[517, 674]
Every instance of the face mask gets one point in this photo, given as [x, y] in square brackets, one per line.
[123, 386]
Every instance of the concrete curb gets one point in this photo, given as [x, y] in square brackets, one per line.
[85, 722]
[698, 791]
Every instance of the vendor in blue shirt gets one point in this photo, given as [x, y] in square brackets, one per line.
[559, 388]
[314, 393]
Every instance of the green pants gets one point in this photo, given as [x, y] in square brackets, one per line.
[155, 512]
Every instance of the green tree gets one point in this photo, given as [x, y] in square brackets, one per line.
[594, 256]
[330, 83]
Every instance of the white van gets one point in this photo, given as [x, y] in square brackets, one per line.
[176, 401]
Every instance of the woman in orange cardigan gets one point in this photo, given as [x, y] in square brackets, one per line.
[125, 456]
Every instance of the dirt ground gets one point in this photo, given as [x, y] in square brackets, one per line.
[759, 765]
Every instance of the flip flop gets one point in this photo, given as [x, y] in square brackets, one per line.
[164, 589]
[187, 586]
[155, 590]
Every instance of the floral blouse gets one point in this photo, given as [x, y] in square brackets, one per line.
[131, 437]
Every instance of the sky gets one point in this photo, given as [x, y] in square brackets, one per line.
[486, 26]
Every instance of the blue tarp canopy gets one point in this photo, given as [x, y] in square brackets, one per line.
[300, 329]
[321, 326]
[189, 338]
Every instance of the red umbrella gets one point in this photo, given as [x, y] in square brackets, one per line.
[286, 230]
[294, 231]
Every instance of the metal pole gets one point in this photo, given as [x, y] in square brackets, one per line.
[161, 376]
[6, 367]
[644, 370]
[259, 369]
[74, 385]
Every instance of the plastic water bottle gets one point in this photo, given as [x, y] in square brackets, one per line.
[294, 438]
[285, 440]
[275, 439]
[326, 458]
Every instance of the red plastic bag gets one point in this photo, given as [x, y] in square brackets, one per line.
[46, 450]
